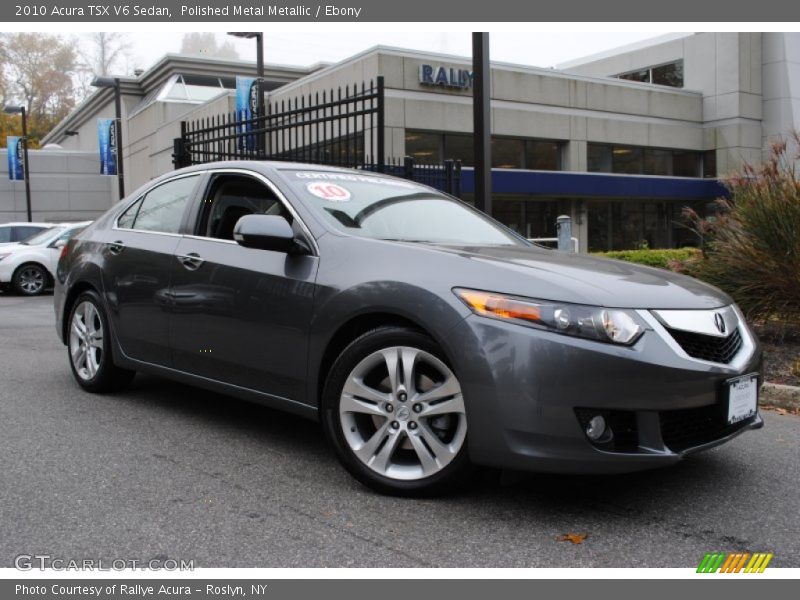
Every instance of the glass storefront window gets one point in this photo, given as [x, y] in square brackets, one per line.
[508, 153]
[686, 164]
[598, 158]
[424, 147]
[459, 147]
[636, 160]
[657, 162]
[543, 155]
[629, 160]
[710, 163]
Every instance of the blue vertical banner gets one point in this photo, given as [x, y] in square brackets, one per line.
[246, 110]
[16, 171]
[107, 141]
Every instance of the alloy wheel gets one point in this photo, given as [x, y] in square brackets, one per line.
[402, 413]
[31, 280]
[86, 340]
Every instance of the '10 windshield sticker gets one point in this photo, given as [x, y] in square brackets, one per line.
[329, 191]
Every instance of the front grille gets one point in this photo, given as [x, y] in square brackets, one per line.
[690, 427]
[708, 347]
[625, 436]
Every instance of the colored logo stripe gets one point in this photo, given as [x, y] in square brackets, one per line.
[734, 562]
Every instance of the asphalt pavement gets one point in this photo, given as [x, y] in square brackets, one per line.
[164, 470]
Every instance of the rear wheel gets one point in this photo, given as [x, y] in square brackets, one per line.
[30, 279]
[89, 346]
[394, 412]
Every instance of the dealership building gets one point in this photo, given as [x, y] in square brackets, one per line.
[621, 141]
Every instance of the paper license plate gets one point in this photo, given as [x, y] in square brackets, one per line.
[742, 397]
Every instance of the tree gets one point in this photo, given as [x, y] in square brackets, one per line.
[105, 52]
[752, 244]
[205, 44]
[38, 72]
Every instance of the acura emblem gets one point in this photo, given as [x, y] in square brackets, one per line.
[720, 322]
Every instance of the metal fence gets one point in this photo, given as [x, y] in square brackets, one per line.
[342, 127]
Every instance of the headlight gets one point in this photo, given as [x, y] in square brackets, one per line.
[594, 323]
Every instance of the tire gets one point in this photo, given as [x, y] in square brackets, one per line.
[30, 279]
[89, 347]
[371, 419]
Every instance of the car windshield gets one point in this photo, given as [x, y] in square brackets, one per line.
[393, 209]
[43, 237]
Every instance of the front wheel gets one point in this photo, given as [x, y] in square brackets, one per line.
[393, 410]
[89, 347]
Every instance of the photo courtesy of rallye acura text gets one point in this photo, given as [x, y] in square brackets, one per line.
[427, 338]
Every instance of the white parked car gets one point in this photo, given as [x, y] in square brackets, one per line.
[29, 267]
[11, 233]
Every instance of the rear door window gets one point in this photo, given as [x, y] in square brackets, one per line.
[23, 232]
[161, 209]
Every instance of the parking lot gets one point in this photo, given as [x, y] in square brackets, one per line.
[166, 470]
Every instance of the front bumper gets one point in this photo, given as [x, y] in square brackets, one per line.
[527, 391]
[6, 272]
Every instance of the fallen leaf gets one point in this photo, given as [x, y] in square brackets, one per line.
[575, 538]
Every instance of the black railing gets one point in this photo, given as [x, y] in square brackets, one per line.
[336, 127]
[342, 127]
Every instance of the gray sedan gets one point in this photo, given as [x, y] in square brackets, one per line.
[424, 336]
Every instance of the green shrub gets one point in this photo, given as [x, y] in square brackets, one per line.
[665, 259]
[752, 245]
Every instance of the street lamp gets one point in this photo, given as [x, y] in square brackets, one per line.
[113, 82]
[259, 38]
[13, 110]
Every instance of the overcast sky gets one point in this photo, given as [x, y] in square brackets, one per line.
[305, 48]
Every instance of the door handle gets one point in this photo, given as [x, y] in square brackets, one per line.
[116, 247]
[191, 261]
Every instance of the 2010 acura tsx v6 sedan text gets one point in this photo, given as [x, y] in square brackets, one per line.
[425, 336]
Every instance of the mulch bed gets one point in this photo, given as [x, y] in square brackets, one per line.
[781, 356]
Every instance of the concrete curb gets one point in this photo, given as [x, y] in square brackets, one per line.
[782, 396]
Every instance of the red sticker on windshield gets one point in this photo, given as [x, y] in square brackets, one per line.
[329, 191]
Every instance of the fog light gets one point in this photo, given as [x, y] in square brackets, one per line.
[596, 428]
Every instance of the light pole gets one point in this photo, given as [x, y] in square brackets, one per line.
[113, 82]
[12, 110]
[482, 121]
[259, 38]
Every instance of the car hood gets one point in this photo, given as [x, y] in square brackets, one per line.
[583, 279]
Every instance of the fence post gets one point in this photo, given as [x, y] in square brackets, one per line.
[564, 232]
[381, 132]
[457, 180]
[180, 151]
[408, 167]
[448, 176]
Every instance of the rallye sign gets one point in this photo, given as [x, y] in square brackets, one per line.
[448, 77]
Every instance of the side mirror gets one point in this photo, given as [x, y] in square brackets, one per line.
[58, 244]
[267, 232]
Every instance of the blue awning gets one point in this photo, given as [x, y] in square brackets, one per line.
[596, 185]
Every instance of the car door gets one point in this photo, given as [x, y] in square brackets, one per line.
[241, 315]
[138, 256]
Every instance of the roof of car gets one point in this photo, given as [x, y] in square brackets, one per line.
[26, 224]
[260, 165]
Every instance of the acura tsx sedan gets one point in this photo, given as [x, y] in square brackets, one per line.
[424, 336]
